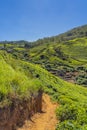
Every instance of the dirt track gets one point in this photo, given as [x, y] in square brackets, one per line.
[45, 120]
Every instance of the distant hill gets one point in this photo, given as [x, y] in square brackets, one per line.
[77, 32]
[74, 33]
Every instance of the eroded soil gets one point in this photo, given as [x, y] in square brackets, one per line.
[45, 120]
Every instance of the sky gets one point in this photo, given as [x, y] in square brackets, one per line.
[33, 19]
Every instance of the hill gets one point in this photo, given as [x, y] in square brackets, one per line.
[67, 59]
[77, 32]
[22, 78]
[29, 69]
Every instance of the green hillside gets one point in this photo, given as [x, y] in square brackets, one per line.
[64, 55]
[19, 79]
[26, 68]
[66, 59]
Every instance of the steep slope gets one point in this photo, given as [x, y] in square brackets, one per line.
[15, 82]
[19, 93]
[73, 98]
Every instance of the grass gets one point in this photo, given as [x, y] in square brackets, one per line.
[14, 82]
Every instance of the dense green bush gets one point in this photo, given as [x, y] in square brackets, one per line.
[67, 112]
[70, 125]
[81, 79]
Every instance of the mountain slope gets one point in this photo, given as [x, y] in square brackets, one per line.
[64, 55]
[67, 60]
[24, 72]
[73, 98]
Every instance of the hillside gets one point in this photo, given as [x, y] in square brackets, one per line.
[28, 70]
[31, 77]
[65, 58]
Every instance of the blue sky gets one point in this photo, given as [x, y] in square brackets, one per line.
[33, 19]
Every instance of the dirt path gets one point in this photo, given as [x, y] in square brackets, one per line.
[43, 121]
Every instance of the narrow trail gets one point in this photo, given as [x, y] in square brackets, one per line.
[45, 120]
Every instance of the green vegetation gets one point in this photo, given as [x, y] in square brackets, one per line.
[62, 59]
[67, 59]
[14, 83]
[19, 79]
[25, 68]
